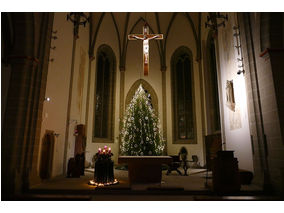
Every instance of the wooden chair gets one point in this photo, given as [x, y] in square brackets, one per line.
[178, 161]
[173, 166]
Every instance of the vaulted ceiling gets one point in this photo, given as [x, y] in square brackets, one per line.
[159, 22]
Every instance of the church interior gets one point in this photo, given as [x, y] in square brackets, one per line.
[213, 79]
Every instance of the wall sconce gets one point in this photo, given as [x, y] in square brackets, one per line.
[47, 99]
[212, 20]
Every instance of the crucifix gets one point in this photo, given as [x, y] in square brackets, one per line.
[145, 37]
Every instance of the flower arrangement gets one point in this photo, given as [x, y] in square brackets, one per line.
[103, 154]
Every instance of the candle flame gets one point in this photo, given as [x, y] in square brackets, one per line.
[94, 183]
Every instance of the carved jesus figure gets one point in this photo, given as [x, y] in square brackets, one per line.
[145, 37]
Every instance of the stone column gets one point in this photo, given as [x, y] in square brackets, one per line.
[90, 68]
[39, 95]
[164, 104]
[258, 137]
[17, 133]
[22, 121]
[121, 100]
[277, 65]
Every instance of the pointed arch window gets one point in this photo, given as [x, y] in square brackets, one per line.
[183, 96]
[104, 95]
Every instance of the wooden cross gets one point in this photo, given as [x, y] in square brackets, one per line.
[145, 37]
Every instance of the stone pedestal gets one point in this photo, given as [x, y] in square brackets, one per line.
[104, 171]
[144, 169]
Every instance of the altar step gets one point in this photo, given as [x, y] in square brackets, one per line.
[137, 195]
[83, 194]
[173, 187]
[53, 197]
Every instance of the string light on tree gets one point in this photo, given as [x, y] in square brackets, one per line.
[141, 135]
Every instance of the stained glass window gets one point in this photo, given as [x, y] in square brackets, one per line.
[183, 100]
[104, 93]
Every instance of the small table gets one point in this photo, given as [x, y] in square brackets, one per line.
[145, 169]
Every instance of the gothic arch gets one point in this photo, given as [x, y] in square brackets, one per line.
[147, 87]
[191, 23]
[93, 38]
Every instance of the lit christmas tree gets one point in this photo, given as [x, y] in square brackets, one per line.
[140, 133]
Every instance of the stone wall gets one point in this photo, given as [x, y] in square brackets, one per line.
[262, 102]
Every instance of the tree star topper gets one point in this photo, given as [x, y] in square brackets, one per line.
[145, 37]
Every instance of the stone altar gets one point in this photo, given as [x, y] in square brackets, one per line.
[144, 169]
